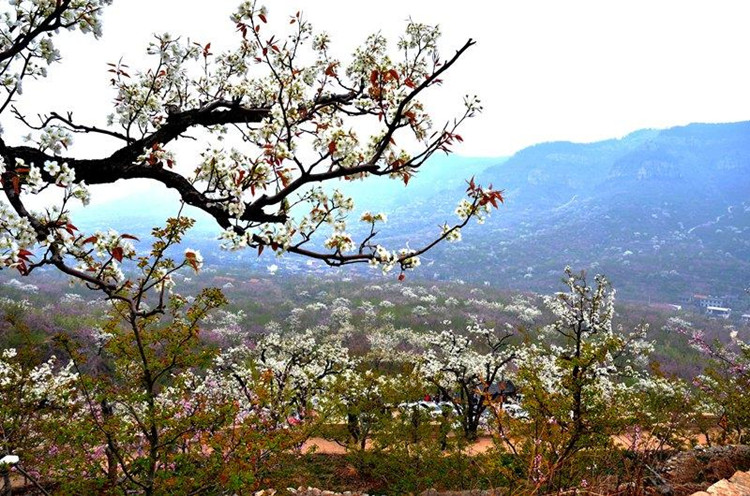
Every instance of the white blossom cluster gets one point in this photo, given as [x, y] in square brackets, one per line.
[27, 393]
[524, 309]
[605, 355]
[298, 366]
[156, 156]
[16, 234]
[455, 358]
[52, 138]
[62, 174]
[143, 98]
[19, 18]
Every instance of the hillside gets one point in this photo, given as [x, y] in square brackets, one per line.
[664, 213]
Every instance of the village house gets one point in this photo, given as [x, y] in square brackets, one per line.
[719, 312]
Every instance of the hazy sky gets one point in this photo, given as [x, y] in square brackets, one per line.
[545, 70]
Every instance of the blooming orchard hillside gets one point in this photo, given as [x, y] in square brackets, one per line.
[348, 371]
[370, 309]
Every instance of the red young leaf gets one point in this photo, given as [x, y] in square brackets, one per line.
[240, 177]
[242, 27]
[24, 254]
[21, 266]
[332, 147]
[260, 249]
[191, 260]
[206, 50]
[331, 70]
[90, 239]
[401, 276]
[129, 236]
[263, 18]
[117, 253]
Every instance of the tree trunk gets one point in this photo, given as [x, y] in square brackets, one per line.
[6, 482]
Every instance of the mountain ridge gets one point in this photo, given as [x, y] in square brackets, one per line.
[661, 212]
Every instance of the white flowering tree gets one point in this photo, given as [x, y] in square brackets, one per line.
[577, 382]
[298, 365]
[277, 116]
[463, 367]
[364, 399]
[143, 413]
[32, 401]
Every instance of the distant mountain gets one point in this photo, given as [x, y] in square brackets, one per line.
[663, 213]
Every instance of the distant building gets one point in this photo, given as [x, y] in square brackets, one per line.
[720, 312]
[705, 301]
[666, 306]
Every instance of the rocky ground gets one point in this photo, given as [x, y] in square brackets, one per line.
[737, 485]
[714, 471]
[689, 472]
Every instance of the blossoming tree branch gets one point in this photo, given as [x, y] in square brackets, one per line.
[277, 117]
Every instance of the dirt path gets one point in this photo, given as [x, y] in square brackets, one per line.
[326, 447]
[482, 445]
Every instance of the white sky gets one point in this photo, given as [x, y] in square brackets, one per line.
[544, 69]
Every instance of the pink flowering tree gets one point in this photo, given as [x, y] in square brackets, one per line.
[724, 382]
